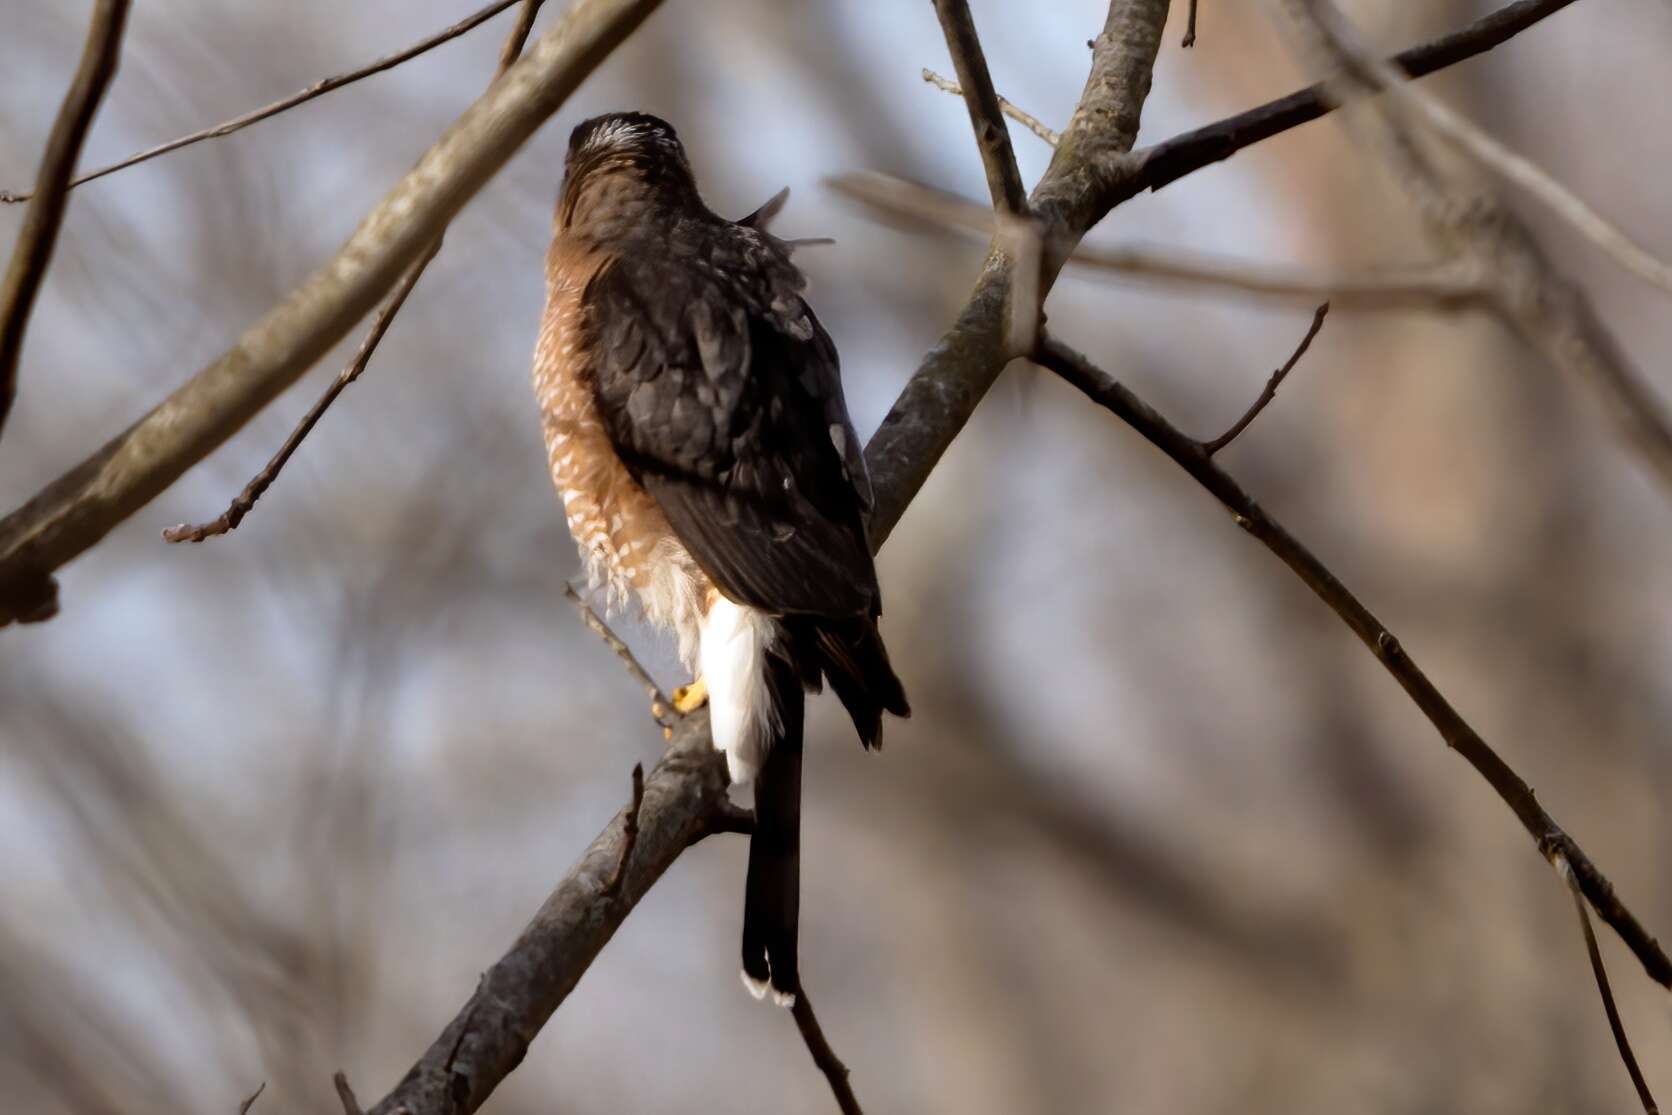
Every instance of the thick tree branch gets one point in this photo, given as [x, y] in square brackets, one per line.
[992, 138]
[1191, 455]
[490, 1035]
[317, 89]
[82, 506]
[39, 235]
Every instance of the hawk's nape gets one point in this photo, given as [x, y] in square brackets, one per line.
[697, 430]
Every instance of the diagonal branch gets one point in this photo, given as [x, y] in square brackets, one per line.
[40, 225]
[317, 89]
[824, 1056]
[1269, 391]
[81, 507]
[992, 138]
[1191, 455]
[1601, 973]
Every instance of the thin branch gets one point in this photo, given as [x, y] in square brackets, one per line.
[229, 519]
[317, 89]
[823, 1056]
[1168, 161]
[629, 834]
[660, 706]
[245, 500]
[1029, 121]
[244, 1108]
[1192, 456]
[1614, 1024]
[1446, 284]
[39, 235]
[345, 1094]
[992, 138]
[1190, 27]
[1269, 392]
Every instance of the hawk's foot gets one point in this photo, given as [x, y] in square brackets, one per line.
[690, 698]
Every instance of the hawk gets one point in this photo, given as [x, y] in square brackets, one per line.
[695, 426]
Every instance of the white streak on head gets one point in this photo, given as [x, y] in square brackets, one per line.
[732, 656]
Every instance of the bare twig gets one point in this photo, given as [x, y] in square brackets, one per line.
[229, 519]
[1029, 121]
[823, 1056]
[1191, 455]
[661, 708]
[1603, 989]
[1269, 392]
[629, 834]
[317, 89]
[1190, 27]
[345, 1094]
[245, 500]
[244, 1108]
[992, 138]
[39, 234]
[1446, 284]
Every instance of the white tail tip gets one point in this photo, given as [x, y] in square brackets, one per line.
[757, 987]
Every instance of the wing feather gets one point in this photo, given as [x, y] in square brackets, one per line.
[722, 393]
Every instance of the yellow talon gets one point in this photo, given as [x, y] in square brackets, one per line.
[690, 698]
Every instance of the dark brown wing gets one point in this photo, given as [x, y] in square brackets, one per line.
[721, 392]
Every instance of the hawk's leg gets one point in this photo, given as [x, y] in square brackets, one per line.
[690, 698]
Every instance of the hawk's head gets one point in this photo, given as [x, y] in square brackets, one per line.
[624, 165]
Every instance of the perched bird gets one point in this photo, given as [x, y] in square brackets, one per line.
[696, 429]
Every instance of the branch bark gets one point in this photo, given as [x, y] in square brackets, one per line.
[81, 507]
[992, 138]
[39, 236]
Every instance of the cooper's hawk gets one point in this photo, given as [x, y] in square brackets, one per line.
[696, 429]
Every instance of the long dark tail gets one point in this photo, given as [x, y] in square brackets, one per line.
[852, 657]
[772, 893]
